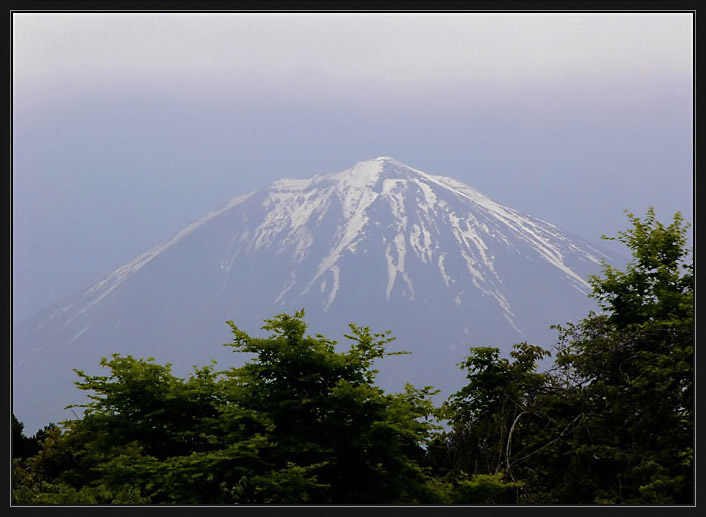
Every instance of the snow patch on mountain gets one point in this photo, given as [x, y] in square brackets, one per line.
[395, 264]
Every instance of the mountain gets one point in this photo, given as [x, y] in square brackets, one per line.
[380, 244]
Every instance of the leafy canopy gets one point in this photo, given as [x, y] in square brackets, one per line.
[299, 422]
[612, 421]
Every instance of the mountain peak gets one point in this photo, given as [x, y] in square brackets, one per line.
[388, 163]
[369, 172]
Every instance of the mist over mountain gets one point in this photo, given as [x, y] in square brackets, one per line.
[380, 244]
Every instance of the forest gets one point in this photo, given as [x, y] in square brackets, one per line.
[610, 421]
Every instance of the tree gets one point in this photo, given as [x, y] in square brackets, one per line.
[325, 413]
[612, 421]
[635, 364]
[299, 422]
[489, 418]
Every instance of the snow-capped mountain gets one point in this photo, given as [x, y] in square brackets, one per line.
[380, 244]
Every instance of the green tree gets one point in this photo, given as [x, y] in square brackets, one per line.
[612, 421]
[298, 423]
[635, 366]
[496, 423]
[325, 413]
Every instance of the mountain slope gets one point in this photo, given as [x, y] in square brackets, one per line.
[380, 244]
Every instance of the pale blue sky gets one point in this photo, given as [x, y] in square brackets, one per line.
[129, 126]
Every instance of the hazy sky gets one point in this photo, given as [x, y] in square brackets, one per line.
[129, 126]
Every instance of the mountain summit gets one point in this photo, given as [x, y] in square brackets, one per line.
[381, 244]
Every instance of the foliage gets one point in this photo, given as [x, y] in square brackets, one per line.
[612, 421]
[635, 366]
[657, 287]
[298, 423]
[324, 410]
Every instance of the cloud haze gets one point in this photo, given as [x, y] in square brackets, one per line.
[354, 55]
